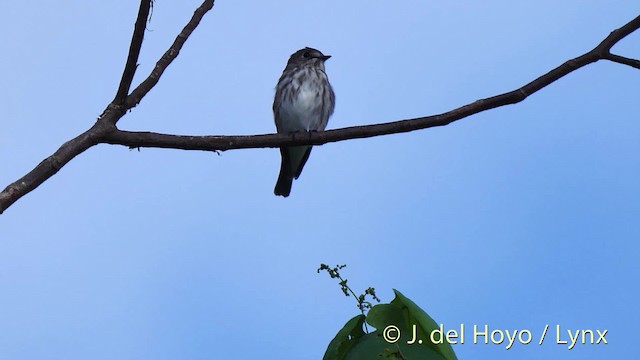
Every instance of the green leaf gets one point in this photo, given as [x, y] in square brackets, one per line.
[425, 325]
[373, 346]
[382, 315]
[410, 338]
[345, 339]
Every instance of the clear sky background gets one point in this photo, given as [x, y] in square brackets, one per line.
[517, 217]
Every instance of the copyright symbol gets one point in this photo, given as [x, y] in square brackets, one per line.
[391, 334]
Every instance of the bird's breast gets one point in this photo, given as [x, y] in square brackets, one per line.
[302, 110]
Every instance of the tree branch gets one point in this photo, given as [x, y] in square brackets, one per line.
[47, 168]
[623, 60]
[216, 143]
[105, 131]
[113, 112]
[136, 95]
[134, 52]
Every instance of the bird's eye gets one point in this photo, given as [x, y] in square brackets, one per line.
[306, 54]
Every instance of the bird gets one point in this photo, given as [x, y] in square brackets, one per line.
[303, 102]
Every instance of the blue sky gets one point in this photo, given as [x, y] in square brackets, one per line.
[517, 217]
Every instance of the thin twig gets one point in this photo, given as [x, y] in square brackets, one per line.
[134, 52]
[623, 60]
[136, 95]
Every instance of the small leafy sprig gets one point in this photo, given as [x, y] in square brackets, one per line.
[363, 304]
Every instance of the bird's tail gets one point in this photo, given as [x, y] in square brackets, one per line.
[293, 160]
[285, 180]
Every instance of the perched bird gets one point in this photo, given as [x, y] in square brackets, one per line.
[304, 101]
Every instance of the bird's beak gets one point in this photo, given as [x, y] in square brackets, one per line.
[325, 57]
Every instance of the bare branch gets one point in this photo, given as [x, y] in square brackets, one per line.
[166, 59]
[134, 52]
[47, 168]
[106, 122]
[216, 143]
[623, 60]
[105, 131]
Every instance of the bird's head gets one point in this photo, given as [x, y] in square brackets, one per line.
[307, 56]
